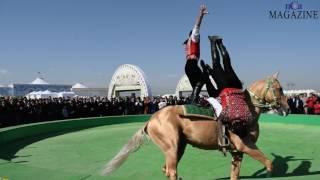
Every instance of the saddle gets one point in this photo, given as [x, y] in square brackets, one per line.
[202, 112]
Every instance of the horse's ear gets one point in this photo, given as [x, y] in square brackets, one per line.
[275, 75]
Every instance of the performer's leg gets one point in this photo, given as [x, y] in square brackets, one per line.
[194, 74]
[212, 91]
[191, 71]
[217, 71]
[232, 76]
[196, 92]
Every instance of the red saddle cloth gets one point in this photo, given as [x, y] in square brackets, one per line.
[234, 106]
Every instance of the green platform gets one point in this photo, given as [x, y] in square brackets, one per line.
[78, 149]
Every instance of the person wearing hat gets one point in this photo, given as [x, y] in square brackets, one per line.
[196, 77]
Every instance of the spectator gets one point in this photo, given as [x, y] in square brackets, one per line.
[317, 107]
[310, 103]
[297, 105]
[17, 110]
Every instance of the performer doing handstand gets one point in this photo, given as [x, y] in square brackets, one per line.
[192, 49]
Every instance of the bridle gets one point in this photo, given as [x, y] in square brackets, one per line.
[261, 102]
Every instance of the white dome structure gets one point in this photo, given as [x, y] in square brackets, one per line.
[79, 85]
[39, 80]
[129, 78]
[185, 86]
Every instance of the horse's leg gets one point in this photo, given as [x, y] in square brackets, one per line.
[171, 163]
[248, 147]
[166, 136]
[180, 152]
[181, 148]
[171, 158]
[235, 165]
[157, 136]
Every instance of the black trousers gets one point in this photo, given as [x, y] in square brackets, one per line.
[199, 78]
[193, 72]
[224, 77]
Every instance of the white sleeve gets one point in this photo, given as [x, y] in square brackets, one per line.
[195, 35]
[216, 105]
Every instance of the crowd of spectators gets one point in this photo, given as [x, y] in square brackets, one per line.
[20, 110]
[301, 104]
[15, 110]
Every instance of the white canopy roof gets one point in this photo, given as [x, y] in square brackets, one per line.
[39, 80]
[79, 85]
[299, 91]
[66, 94]
[41, 94]
[47, 94]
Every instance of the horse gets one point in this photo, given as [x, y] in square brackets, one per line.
[171, 131]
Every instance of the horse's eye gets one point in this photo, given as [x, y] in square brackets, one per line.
[280, 89]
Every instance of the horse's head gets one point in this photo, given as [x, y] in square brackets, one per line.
[268, 93]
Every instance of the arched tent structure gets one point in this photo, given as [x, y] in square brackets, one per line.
[129, 78]
[78, 86]
[184, 86]
[39, 80]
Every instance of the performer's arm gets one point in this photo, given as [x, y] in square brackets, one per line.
[195, 36]
[203, 11]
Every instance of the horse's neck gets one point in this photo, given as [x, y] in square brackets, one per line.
[250, 100]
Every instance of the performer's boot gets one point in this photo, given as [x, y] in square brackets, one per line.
[222, 48]
[214, 38]
[195, 94]
[214, 50]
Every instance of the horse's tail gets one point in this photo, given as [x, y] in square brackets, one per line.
[133, 145]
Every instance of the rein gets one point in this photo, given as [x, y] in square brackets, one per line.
[260, 102]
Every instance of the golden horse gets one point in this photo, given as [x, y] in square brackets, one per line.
[172, 131]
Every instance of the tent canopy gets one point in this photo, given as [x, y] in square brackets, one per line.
[39, 80]
[79, 85]
[47, 94]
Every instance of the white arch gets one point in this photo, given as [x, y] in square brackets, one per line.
[129, 77]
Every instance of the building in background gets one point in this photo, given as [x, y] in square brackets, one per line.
[20, 89]
[5, 91]
[81, 90]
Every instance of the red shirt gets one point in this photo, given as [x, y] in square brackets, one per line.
[192, 50]
[317, 108]
[234, 105]
[311, 101]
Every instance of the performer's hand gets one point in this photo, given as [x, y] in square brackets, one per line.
[203, 10]
[203, 65]
[210, 70]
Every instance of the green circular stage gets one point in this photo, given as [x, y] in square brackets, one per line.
[78, 149]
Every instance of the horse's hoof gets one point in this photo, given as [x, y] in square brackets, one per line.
[164, 169]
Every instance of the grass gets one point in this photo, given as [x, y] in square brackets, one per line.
[293, 146]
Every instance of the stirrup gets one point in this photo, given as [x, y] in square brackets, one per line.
[223, 141]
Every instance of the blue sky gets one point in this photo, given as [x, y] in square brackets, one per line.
[71, 41]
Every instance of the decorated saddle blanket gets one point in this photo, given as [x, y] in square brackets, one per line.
[234, 106]
[198, 111]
